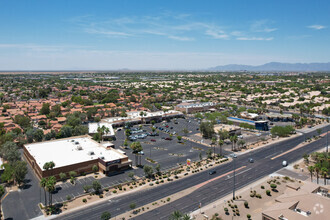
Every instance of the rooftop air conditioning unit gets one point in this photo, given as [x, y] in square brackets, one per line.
[79, 147]
[90, 153]
[76, 142]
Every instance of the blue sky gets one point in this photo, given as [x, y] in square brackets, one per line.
[178, 34]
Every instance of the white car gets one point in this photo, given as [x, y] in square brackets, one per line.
[284, 163]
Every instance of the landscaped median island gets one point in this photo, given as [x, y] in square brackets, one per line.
[94, 193]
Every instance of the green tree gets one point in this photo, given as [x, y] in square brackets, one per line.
[87, 188]
[179, 138]
[209, 154]
[207, 129]
[45, 109]
[132, 205]
[38, 135]
[95, 168]
[97, 186]
[130, 175]
[148, 170]
[8, 173]
[157, 168]
[106, 216]
[9, 152]
[20, 171]
[62, 176]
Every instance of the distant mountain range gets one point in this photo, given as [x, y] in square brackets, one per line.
[275, 66]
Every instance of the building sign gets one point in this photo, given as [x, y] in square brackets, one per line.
[188, 162]
[112, 162]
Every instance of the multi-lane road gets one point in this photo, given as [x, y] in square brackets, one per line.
[264, 164]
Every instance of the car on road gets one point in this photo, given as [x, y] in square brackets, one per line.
[251, 160]
[153, 140]
[212, 172]
[141, 152]
[284, 163]
[168, 139]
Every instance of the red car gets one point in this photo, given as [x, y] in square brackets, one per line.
[153, 140]
[168, 139]
[167, 126]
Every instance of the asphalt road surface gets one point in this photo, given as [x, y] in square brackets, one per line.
[263, 166]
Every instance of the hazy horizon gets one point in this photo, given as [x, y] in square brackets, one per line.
[171, 35]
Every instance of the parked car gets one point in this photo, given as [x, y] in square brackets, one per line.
[174, 133]
[171, 127]
[212, 172]
[284, 163]
[141, 152]
[167, 126]
[251, 160]
[153, 140]
[168, 139]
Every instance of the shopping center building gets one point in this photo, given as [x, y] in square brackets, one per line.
[77, 154]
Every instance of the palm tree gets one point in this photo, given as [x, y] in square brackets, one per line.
[317, 170]
[50, 185]
[324, 173]
[235, 138]
[51, 165]
[221, 142]
[311, 171]
[176, 215]
[214, 141]
[43, 183]
[232, 142]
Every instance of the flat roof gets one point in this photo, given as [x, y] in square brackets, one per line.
[68, 151]
[92, 128]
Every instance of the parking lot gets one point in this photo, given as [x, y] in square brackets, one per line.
[165, 148]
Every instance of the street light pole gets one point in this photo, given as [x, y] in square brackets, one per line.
[327, 140]
[234, 178]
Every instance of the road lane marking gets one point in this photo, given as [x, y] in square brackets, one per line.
[288, 151]
[208, 181]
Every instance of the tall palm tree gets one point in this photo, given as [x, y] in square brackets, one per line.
[317, 171]
[50, 185]
[221, 142]
[324, 173]
[214, 141]
[232, 142]
[235, 138]
[43, 183]
[311, 171]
